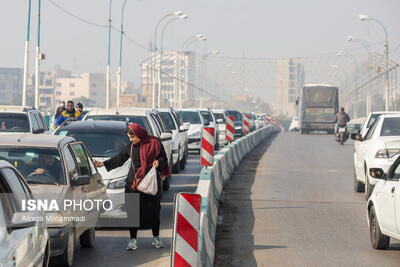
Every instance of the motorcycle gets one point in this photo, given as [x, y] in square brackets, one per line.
[342, 135]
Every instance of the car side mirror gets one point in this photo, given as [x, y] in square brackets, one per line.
[81, 180]
[166, 136]
[183, 128]
[377, 173]
[22, 220]
[38, 131]
[220, 121]
[356, 136]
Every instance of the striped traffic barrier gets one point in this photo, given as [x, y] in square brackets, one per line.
[246, 124]
[230, 128]
[185, 243]
[207, 146]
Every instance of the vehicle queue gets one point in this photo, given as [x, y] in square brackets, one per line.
[59, 165]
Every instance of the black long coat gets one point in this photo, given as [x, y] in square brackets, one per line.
[149, 205]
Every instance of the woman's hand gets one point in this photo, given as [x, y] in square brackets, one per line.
[98, 164]
[156, 164]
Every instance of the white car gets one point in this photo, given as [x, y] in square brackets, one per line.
[149, 118]
[383, 207]
[221, 122]
[174, 123]
[294, 125]
[377, 149]
[24, 242]
[192, 116]
[18, 119]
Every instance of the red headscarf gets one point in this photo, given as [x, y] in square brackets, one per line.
[150, 148]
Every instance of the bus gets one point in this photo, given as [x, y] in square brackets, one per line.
[318, 106]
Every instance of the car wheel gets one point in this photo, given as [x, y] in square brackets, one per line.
[182, 163]
[67, 258]
[87, 238]
[358, 186]
[166, 183]
[378, 240]
[175, 168]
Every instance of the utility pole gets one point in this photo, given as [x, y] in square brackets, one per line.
[38, 58]
[26, 54]
[108, 82]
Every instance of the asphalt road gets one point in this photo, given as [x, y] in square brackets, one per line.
[110, 244]
[291, 203]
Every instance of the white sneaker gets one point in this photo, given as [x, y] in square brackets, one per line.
[132, 245]
[157, 243]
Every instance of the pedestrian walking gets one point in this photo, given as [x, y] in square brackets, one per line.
[146, 152]
[69, 114]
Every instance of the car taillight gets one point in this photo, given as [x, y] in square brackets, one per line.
[387, 153]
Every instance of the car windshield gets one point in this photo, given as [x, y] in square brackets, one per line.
[390, 127]
[141, 120]
[190, 116]
[111, 142]
[168, 121]
[235, 114]
[219, 116]
[12, 122]
[372, 119]
[206, 116]
[37, 165]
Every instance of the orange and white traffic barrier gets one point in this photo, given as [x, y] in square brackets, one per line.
[230, 128]
[246, 124]
[207, 146]
[185, 243]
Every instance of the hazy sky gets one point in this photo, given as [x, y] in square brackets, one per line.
[251, 28]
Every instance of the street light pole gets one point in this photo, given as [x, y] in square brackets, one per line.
[26, 54]
[108, 83]
[204, 58]
[37, 72]
[387, 82]
[119, 74]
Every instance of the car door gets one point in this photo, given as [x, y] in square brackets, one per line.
[361, 151]
[168, 143]
[89, 191]
[34, 124]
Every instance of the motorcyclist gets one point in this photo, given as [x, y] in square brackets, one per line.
[342, 118]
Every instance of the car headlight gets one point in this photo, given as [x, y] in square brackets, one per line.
[56, 218]
[117, 183]
[387, 153]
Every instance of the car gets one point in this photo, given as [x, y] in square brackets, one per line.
[221, 123]
[377, 149]
[67, 174]
[238, 121]
[210, 121]
[174, 123]
[371, 119]
[294, 125]
[383, 206]
[114, 139]
[260, 122]
[24, 241]
[148, 118]
[18, 119]
[252, 120]
[192, 116]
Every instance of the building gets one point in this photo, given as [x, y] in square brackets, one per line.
[11, 86]
[289, 81]
[177, 75]
[88, 86]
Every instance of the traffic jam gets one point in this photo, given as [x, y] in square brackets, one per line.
[63, 178]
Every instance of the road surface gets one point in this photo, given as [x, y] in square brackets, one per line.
[291, 203]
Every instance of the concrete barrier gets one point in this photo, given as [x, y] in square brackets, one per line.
[211, 183]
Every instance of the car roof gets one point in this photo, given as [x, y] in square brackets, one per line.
[385, 112]
[35, 140]
[15, 109]
[188, 109]
[391, 115]
[120, 111]
[98, 124]
[215, 110]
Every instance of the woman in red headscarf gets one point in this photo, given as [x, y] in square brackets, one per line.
[145, 151]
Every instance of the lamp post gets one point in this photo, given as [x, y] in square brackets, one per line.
[214, 52]
[183, 17]
[387, 85]
[26, 54]
[119, 74]
[185, 45]
[368, 48]
[153, 55]
[38, 58]
[108, 83]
